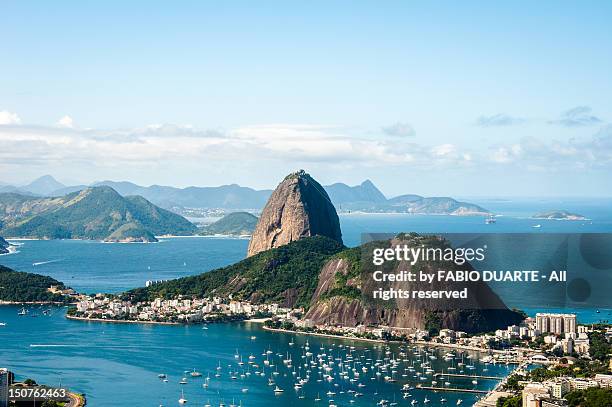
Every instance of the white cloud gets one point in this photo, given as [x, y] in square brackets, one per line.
[279, 146]
[499, 120]
[9, 118]
[66, 121]
[578, 116]
[169, 144]
[400, 130]
[575, 153]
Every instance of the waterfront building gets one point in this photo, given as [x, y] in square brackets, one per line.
[555, 323]
[6, 378]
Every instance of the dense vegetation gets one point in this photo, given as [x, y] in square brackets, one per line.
[287, 274]
[600, 348]
[17, 286]
[94, 213]
[235, 223]
[593, 397]
[515, 401]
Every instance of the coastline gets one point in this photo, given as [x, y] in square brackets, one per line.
[455, 346]
[33, 303]
[346, 338]
[11, 249]
[119, 321]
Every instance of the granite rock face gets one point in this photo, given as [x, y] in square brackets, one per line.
[299, 207]
[343, 297]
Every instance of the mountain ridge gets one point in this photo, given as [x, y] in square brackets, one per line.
[93, 213]
[365, 197]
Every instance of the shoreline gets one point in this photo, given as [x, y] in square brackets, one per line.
[34, 303]
[120, 321]
[455, 346]
[346, 338]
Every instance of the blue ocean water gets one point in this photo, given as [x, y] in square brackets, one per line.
[93, 267]
[113, 362]
[118, 364]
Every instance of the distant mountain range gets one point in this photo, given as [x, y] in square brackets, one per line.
[365, 197]
[98, 213]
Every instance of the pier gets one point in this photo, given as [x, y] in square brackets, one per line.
[454, 389]
[467, 376]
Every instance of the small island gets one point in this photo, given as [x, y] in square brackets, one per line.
[559, 215]
[233, 224]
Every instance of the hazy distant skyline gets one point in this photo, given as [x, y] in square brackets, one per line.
[460, 99]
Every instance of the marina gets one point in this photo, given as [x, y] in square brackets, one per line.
[223, 364]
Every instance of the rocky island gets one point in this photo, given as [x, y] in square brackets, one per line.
[559, 215]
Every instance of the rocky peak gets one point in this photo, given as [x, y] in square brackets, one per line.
[299, 207]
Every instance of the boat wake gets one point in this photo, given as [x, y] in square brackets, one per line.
[40, 263]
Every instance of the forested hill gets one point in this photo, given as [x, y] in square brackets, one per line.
[287, 275]
[94, 213]
[18, 286]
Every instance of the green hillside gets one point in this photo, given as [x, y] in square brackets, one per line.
[236, 223]
[286, 274]
[17, 286]
[95, 213]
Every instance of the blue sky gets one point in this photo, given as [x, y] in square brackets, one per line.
[442, 98]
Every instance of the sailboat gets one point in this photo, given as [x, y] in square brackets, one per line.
[182, 400]
[22, 311]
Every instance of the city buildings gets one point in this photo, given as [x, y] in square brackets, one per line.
[6, 378]
[533, 393]
[555, 323]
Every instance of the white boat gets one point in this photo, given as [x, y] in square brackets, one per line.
[182, 400]
[278, 390]
[195, 373]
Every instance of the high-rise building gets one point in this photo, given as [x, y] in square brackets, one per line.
[556, 323]
[5, 381]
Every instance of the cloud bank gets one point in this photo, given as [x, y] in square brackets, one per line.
[577, 117]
